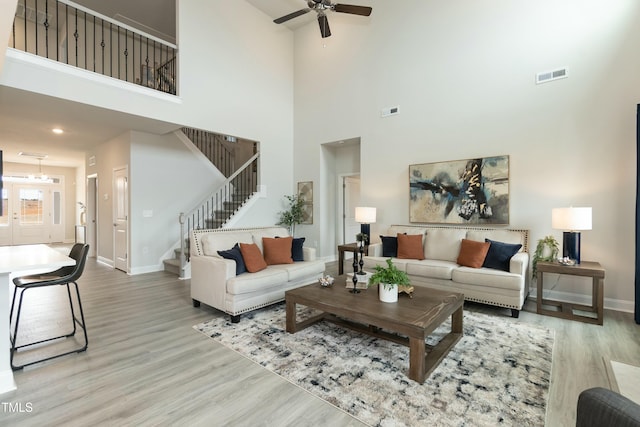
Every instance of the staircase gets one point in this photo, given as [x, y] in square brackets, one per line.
[225, 202]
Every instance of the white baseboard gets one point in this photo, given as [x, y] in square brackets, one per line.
[105, 261]
[584, 299]
[146, 269]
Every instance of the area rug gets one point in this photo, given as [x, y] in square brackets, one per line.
[498, 373]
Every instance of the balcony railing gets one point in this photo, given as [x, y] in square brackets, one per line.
[70, 33]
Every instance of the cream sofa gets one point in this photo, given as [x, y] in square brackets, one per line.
[214, 281]
[439, 268]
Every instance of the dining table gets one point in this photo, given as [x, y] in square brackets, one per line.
[18, 261]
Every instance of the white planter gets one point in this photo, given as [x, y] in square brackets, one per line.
[388, 293]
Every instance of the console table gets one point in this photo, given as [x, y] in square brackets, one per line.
[566, 310]
[348, 247]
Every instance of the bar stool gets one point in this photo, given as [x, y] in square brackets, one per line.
[64, 276]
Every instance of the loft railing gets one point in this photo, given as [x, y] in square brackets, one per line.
[72, 34]
[219, 207]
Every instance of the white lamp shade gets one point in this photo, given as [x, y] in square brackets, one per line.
[365, 215]
[572, 219]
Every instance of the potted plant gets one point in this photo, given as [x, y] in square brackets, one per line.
[546, 250]
[294, 215]
[388, 278]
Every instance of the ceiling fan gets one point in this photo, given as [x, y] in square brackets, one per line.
[320, 6]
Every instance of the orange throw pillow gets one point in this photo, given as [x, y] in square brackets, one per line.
[410, 246]
[473, 253]
[277, 250]
[252, 257]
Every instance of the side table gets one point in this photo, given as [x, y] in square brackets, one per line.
[348, 247]
[566, 310]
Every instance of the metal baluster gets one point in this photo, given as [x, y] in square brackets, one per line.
[76, 35]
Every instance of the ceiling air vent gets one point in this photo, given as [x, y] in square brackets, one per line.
[549, 76]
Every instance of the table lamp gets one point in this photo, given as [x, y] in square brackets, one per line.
[571, 220]
[366, 216]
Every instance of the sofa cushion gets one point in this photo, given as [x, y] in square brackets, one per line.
[443, 243]
[389, 246]
[252, 257]
[500, 254]
[257, 282]
[431, 268]
[235, 255]
[221, 241]
[410, 246]
[300, 270]
[277, 250]
[472, 253]
[370, 262]
[297, 254]
[487, 277]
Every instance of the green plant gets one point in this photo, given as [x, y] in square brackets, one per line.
[548, 245]
[388, 276]
[294, 215]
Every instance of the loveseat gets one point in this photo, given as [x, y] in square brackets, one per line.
[499, 277]
[222, 277]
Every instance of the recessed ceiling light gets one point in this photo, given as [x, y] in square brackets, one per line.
[57, 131]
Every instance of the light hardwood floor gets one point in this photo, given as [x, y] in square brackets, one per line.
[146, 365]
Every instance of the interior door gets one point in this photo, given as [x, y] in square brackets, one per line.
[351, 198]
[5, 220]
[120, 218]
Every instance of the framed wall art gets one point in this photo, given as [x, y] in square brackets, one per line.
[473, 191]
[305, 192]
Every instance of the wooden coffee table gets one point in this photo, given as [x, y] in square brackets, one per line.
[408, 321]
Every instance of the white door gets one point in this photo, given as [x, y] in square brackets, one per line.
[5, 220]
[120, 218]
[351, 198]
[92, 215]
[31, 214]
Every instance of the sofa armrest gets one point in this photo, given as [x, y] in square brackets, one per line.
[603, 407]
[519, 263]
[375, 249]
[309, 254]
[209, 277]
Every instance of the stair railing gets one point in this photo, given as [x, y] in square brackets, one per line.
[211, 212]
[211, 145]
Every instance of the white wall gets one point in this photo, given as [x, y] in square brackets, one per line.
[463, 74]
[165, 181]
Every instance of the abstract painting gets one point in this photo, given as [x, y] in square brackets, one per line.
[473, 191]
[305, 193]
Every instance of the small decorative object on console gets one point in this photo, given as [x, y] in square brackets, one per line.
[566, 261]
[326, 281]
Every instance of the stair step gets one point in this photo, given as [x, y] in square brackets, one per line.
[172, 265]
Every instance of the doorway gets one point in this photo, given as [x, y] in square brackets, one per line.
[349, 199]
[33, 212]
[92, 215]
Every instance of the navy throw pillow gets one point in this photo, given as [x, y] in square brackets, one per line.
[296, 249]
[500, 254]
[235, 254]
[389, 246]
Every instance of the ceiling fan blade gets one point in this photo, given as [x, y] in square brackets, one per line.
[324, 25]
[355, 10]
[292, 15]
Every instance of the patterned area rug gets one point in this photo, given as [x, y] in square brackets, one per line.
[498, 373]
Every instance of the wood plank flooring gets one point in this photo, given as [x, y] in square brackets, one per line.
[146, 365]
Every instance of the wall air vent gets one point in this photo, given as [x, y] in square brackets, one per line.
[549, 76]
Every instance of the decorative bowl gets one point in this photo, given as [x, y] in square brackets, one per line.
[326, 281]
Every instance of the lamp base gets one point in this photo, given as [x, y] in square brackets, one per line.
[571, 245]
[366, 230]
